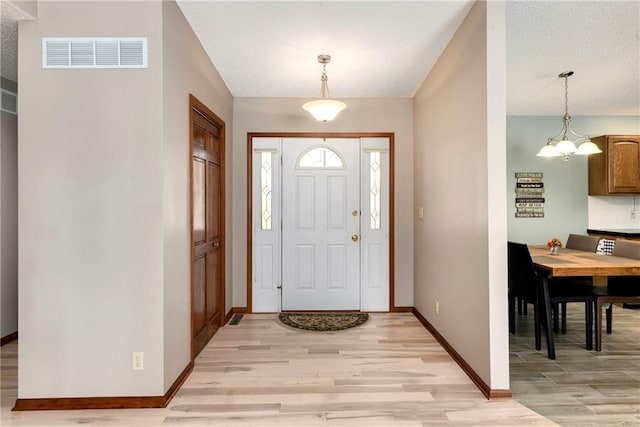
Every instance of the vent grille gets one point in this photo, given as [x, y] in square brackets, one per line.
[9, 102]
[105, 52]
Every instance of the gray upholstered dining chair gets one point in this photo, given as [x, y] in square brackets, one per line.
[582, 242]
[620, 289]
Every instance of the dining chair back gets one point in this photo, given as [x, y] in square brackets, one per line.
[521, 278]
[582, 242]
[627, 248]
[522, 275]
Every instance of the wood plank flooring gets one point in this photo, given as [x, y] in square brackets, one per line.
[388, 372]
[581, 387]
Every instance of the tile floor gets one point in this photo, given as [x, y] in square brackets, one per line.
[580, 388]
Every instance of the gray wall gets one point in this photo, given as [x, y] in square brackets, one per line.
[104, 203]
[90, 203]
[566, 183]
[8, 219]
[460, 255]
[186, 69]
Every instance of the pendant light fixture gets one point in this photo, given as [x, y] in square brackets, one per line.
[324, 109]
[568, 142]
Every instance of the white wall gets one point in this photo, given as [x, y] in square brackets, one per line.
[186, 69]
[8, 219]
[614, 212]
[90, 176]
[361, 115]
[567, 207]
[459, 164]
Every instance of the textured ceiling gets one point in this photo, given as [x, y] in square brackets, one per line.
[387, 49]
[599, 41]
[9, 16]
[379, 49]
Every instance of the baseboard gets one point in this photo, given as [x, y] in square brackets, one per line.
[473, 375]
[8, 338]
[129, 402]
[402, 310]
[177, 383]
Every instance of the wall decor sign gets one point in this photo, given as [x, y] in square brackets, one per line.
[529, 195]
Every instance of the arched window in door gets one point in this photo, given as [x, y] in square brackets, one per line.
[320, 157]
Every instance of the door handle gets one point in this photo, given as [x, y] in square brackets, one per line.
[216, 245]
[354, 237]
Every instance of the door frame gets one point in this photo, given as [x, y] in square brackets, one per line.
[196, 104]
[251, 135]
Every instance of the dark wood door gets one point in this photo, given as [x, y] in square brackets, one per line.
[207, 194]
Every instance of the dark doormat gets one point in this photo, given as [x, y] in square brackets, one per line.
[322, 322]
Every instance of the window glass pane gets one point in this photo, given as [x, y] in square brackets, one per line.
[375, 182]
[320, 157]
[266, 175]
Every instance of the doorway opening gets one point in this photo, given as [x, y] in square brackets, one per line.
[320, 222]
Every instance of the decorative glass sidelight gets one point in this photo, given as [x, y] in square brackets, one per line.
[375, 186]
[266, 187]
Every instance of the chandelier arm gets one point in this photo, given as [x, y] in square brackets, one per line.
[579, 135]
[562, 133]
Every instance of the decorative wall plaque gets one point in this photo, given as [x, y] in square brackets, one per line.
[529, 195]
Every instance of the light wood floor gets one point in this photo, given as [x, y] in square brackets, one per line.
[388, 372]
[580, 388]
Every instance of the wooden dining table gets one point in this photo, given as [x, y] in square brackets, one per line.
[571, 262]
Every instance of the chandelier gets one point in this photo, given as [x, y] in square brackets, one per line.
[568, 141]
[324, 109]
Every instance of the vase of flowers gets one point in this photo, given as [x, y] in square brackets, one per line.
[554, 245]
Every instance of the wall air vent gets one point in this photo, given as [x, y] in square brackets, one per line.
[104, 52]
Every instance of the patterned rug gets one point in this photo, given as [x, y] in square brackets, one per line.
[322, 322]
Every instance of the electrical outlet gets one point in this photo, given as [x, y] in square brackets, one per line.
[633, 214]
[137, 361]
[437, 307]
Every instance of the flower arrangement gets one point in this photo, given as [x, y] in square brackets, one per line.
[554, 244]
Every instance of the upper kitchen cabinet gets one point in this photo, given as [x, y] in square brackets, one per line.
[617, 169]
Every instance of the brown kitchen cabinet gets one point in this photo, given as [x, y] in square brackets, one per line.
[617, 169]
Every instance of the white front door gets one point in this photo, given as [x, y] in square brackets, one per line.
[321, 224]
